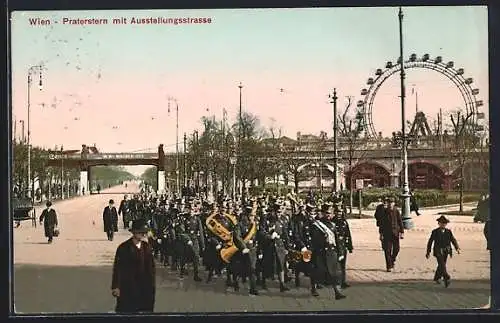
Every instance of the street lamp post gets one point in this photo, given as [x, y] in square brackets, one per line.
[233, 163]
[335, 140]
[210, 195]
[177, 172]
[405, 195]
[185, 163]
[32, 70]
[240, 126]
[62, 172]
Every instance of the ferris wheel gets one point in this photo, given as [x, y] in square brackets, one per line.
[455, 75]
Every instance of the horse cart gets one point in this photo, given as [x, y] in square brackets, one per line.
[23, 210]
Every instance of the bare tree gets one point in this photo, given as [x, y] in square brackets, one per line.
[277, 160]
[464, 140]
[350, 127]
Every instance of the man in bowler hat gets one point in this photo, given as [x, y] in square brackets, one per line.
[441, 240]
[133, 282]
[391, 231]
[110, 219]
[49, 220]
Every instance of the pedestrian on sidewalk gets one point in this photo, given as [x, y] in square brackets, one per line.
[133, 282]
[49, 220]
[391, 230]
[382, 206]
[110, 220]
[441, 240]
[413, 204]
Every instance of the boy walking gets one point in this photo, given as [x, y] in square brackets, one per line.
[441, 240]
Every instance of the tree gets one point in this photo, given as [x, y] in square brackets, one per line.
[250, 134]
[292, 164]
[464, 140]
[350, 127]
[274, 150]
[150, 176]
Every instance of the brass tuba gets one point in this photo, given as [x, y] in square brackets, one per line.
[228, 252]
[218, 229]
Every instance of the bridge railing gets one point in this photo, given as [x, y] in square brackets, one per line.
[58, 156]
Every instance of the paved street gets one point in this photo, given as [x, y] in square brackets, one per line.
[73, 274]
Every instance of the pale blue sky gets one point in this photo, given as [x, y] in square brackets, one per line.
[305, 51]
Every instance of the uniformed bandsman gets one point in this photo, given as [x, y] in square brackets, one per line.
[273, 233]
[345, 242]
[325, 243]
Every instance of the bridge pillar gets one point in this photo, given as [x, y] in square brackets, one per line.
[161, 170]
[395, 180]
[84, 182]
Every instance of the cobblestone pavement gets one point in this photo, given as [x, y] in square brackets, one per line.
[73, 274]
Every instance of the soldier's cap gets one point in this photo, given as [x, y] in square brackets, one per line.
[442, 219]
[326, 208]
[309, 206]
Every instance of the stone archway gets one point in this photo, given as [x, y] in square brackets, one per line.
[424, 175]
[372, 173]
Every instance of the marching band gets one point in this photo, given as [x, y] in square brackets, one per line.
[258, 239]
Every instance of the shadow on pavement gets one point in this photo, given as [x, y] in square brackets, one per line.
[87, 239]
[52, 289]
[35, 242]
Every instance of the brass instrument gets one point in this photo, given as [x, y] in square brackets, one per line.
[228, 252]
[218, 229]
[297, 256]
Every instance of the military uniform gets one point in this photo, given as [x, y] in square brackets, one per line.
[246, 257]
[124, 211]
[194, 243]
[301, 229]
[273, 234]
[345, 244]
[324, 238]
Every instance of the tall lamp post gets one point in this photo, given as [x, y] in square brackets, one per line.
[37, 69]
[177, 172]
[405, 195]
[240, 126]
[210, 193]
[335, 140]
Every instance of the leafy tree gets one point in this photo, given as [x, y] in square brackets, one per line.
[110, 175]
[150, 176]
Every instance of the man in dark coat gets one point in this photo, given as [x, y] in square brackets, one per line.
[440, 241]
[110, 220]
[133, 282]
[301, 229]
[193, 240]
[391, 231]
[273, 239]
[345, 243]
[325, 242]
[246, 257]
[124, 211]
[413, 204]
[49, 220]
